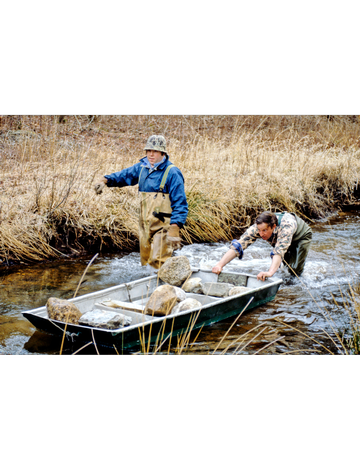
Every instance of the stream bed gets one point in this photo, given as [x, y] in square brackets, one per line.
[310, 315]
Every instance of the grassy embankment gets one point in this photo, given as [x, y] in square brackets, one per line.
[234, 168]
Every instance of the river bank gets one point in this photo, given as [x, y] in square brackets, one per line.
[234, 168]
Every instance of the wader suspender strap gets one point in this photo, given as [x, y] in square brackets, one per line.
[142, 167]
[161, 215]
[163, 180]
[279, 217]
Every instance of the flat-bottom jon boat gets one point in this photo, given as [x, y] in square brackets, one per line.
[130, 299]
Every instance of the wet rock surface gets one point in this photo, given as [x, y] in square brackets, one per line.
[175, 270]
[63, 310]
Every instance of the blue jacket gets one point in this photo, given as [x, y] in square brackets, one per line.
[150, 182]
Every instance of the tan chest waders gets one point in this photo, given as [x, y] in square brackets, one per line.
[155, 212]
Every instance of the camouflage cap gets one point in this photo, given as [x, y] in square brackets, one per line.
[156, 142]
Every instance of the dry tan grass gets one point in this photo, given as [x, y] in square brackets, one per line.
[234, 167]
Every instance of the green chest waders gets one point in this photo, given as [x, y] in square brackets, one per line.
[155, 213]
[299, 248]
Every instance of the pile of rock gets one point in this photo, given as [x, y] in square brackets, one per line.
[169, 298]
[66, 311]
[165, 299]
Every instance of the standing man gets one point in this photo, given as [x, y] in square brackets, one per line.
[163, 205]
[286, 232]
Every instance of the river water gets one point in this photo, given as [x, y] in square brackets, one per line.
[310, 315]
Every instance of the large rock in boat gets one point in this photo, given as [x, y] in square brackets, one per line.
[216, 288]
[189, 303]
[104, 319]
[163, 299]
[193, 285]
[175, 270]
[237, 290]
[63, 310]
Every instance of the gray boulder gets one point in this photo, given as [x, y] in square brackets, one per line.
[216, 289]
[104, 319]
[175, 270]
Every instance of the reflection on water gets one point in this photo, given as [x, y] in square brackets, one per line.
[303, 307]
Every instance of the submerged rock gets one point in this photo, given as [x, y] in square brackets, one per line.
[175, 270]
[105, 319]
[189, 303]
[63, 310]
[163, 299]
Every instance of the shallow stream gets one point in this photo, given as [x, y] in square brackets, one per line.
[309, 315]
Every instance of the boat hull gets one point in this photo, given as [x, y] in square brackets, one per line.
[156, 330]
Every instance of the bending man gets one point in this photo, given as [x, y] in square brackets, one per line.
[289, 235]
[163, 205]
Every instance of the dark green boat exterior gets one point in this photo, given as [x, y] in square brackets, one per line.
[156, 330]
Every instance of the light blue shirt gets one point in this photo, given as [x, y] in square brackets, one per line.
[152, 168]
